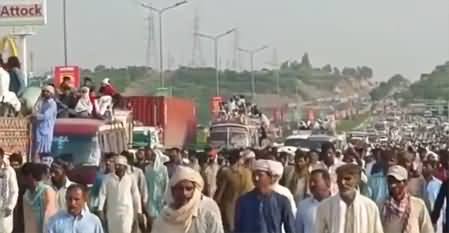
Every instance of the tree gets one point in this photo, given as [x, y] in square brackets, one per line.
[100, 68]
[336, 71]
[327, 68]
[305, 61]
[366, 72]
[348, 71]
[285, 65]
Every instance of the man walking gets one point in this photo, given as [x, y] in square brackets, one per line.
[319, 185]
[60, 182]
[121, 193]
[263, 210]
[187, 209]
[9, 191]
[402, 212]
[348, 211]
[75, 217]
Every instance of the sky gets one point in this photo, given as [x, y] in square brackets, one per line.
[409, 37]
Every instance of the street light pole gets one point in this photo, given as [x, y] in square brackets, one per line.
[161, 54]
[64, 15]
[252, 53]
[216, 39]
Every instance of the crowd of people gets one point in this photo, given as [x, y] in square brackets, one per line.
[386, 189]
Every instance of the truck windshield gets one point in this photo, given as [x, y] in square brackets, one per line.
[297, 142]
[79, 150]
[229, 136]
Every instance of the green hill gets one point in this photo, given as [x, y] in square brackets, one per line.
[296, 80]
[434, 85]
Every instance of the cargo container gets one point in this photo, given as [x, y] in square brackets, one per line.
[177, 117]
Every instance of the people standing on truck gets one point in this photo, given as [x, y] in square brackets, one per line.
[187, 210]
[7, 96]
[75, 217]
[107, 88]
[60, 182]
[44, 119]
[9, 191]
[232, 182]
[16, 76]
[84, 107]
[156, 177]
[39, 200]
[119, 191]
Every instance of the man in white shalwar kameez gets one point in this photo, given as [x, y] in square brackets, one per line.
[348, 211]
[277, 169]
[121, 193]
[9, 191]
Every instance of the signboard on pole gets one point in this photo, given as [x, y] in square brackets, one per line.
[73, 72]
[23, 12]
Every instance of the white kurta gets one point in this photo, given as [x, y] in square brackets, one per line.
[9, 192]
[331, 216]
[60, 195]
[123, 200]
[139, 177]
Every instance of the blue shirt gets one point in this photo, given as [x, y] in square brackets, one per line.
[263, 214]
[431, 192]
[378, 188]
[63, 222]
[306, 215]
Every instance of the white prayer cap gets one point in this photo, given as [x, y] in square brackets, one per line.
[186, 173]
[262, 165]
[105, 81]
[277, 168]
[432, 156]
[288, 149]
[50, 89]
[248, 154]
[120, 159]
[273, 167]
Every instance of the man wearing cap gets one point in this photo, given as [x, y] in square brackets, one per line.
[278, 170]
[348, 211]
[44, 118]
[121, 193]
[403, 213]
[264, 210]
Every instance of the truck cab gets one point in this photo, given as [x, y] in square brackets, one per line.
[82, 143]
[232, 135]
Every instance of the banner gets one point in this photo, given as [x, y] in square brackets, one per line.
[23, 12]
[73, 72]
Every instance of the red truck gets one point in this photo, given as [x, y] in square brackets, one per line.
[177, 117]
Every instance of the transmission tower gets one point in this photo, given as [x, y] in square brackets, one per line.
[150, 53]
[197, 53]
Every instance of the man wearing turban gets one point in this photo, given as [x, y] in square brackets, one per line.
[44, 119]
[187, 210]
[263, 209]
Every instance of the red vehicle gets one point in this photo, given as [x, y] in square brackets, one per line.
[175, 116]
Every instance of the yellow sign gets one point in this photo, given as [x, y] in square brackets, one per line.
[8, 43]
